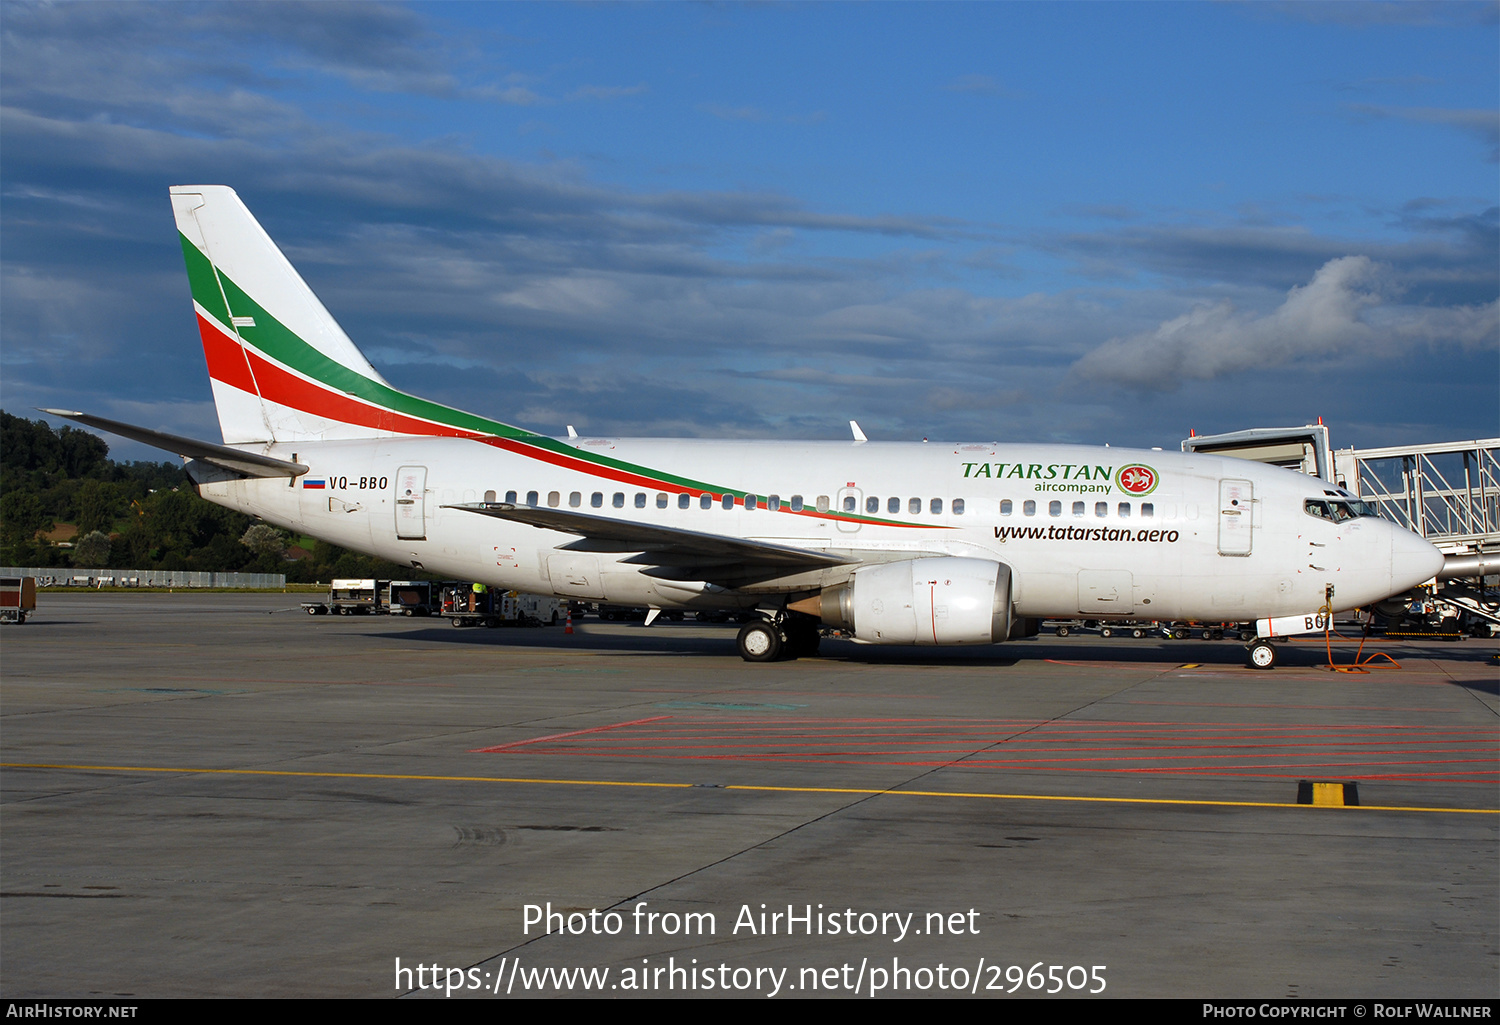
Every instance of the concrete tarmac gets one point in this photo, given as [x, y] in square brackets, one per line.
[216, 795]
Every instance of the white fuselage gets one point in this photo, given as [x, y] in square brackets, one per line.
[1191, 537]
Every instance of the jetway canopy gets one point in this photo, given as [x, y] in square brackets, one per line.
[1294, 448]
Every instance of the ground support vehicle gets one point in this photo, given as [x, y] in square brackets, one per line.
[1127, 628]
[17, 599]
[350, 597]
[410, 598]
[462, 605]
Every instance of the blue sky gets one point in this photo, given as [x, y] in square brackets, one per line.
[1054, 222]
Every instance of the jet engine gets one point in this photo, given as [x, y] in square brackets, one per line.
[936, 600]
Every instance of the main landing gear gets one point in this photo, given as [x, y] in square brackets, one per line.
[783, 635]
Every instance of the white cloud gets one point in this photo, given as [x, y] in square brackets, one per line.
[1346, 309]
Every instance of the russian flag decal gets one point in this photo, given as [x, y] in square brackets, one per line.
[313, 483]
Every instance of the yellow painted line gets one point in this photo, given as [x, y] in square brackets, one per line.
[864, 791]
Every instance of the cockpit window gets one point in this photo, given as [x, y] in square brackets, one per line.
[1341, 511]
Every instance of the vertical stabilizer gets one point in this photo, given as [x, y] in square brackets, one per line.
[282, 368]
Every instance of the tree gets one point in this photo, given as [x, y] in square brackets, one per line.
[264, 539]
[92, 550]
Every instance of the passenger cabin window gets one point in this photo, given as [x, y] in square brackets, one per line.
[707, 501]
[728, 502]
[1054, 508]
[1078, 508]
[575, 499]
[684, 501]
[640, 500]
[1006, 507]
[531, 497]
[936, 507]
[1029, 507]
[822, 505]
[958, 507]
[554, 499]
[796, 503]
[661, 499]
[849, 504]
[1148, 510]
[510, 497]
[1101, 509]
[893, 505]
[489, 496]
[872, 504]
[619, 500]
[773, 503]
[750, 502]
[597, 500]
[914, 506]
[1124, 510]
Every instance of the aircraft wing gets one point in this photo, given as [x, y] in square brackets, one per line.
[670, 544]
[250, 464]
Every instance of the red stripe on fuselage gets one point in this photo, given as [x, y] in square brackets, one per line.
[227, 363]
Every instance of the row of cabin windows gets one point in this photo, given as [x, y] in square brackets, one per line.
[893, 505]
[772, 503]
[1080, 509]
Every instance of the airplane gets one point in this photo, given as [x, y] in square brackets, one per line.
[894, 543]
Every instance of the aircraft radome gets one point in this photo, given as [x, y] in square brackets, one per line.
[896, 543]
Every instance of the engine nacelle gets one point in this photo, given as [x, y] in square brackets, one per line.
[936, 600]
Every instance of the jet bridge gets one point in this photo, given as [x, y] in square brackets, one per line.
[1450, 494]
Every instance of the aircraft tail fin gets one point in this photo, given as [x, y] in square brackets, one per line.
[281, 367]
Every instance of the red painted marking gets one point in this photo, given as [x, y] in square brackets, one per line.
[1209, 750]
[559, 736]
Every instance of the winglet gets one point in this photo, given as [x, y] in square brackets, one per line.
[859, 435]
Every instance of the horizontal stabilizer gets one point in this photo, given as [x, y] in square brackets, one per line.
[640, 537]
[250, 464]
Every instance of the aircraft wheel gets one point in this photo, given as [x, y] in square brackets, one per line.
[1063, 631]
[1137, 633]
[1105, 631]
[1262, 655]
[759, 642]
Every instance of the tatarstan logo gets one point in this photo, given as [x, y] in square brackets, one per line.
[1137, 479]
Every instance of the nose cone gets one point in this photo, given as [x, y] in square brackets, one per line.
[1413, 560]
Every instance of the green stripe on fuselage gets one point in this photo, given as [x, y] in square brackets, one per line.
[282, 344]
